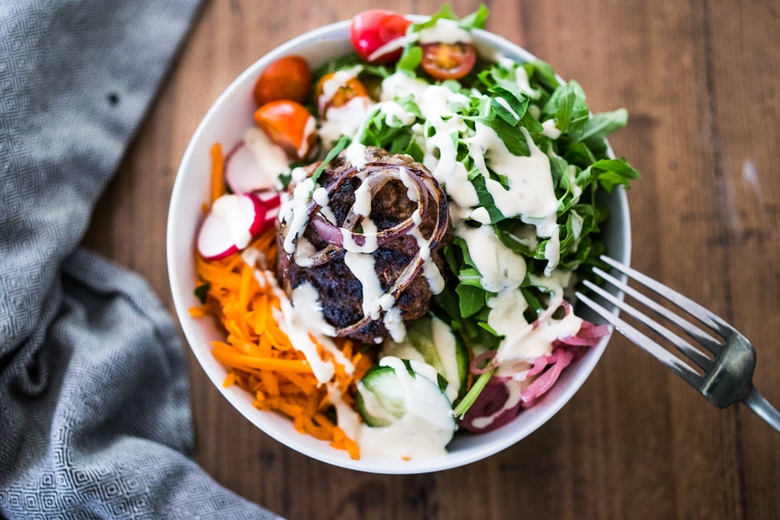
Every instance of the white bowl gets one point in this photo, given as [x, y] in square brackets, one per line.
[225, 122]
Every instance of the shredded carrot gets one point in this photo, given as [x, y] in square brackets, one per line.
[197, 312]
[217, 179]
[234, 359]
[259, 356]
[230, 380]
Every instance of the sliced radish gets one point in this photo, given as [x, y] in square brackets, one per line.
[269, 201]
[234, 220]
[254, 163]
[269, 198]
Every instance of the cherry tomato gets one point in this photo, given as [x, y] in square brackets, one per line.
[286, 78]
[338, 95]
[372, 29]
[448, 61]
[289, 125]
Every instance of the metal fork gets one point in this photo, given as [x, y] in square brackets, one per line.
[726, 365]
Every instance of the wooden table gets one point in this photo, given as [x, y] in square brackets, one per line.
[701, 81]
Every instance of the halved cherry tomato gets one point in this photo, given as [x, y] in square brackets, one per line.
[289, 125]
[448, 60]
[286, 78]
[372, 29]
[339, 94]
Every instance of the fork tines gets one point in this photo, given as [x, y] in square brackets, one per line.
[701, 359]
[722, 370]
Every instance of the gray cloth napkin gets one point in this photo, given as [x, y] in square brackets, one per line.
[94, 402]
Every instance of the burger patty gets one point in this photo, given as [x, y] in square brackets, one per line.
[340, 292]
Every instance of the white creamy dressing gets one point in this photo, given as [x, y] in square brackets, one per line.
[575, 189]
[362, 266]
[425, 428]
[550, 130]
[334, 83]
[430, 270]
[345, 119]
[500, 267]
[348, 122]
[577, 221]
[481, 215]
[440, 158]
[444, 31]
[523, 341]
[308, 131]
[460, 190]
[362, 207]
[348, 419]
[392, 320]
[270, 159]
[506, 106]
[305, 252]
[392, 111]
[299, 318]
[411, 190]
[355, 154]
[515, 388]
[527, 342]
[506, 311]
[521, 76]
[552, 251]
[524, 234]
[320, 196]
[293, 211]
[375, 300]
[531, 194]
[238, 213]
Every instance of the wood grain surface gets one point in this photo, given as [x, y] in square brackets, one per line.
[701, 81]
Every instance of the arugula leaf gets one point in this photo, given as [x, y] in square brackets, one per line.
[535, 307]
[531, 123]
[470, 276]
[445, 13]
[331, 155]
[410, 59]
[567, 106]
[609, 173]
[202, 291]
[542, 73]
[512, 137]
[373, 69]
[602, 124]
[509, 104]
[485, 199]
[471, 396]
[285, 179]
[475, 20]
[558, 169]
[579, 154]
[471, 299]
[505, 231]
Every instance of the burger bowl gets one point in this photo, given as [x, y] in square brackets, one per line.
[225, 123]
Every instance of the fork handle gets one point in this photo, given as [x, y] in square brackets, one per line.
[758, 403]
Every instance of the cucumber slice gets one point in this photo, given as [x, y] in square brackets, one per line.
[430, 340]
[380, 397]
[384, 396]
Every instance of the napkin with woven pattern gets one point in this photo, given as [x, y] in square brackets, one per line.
[95, 418]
